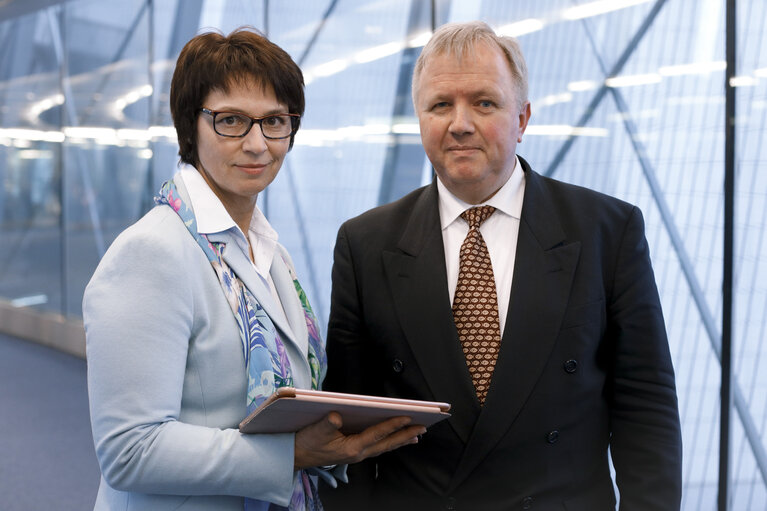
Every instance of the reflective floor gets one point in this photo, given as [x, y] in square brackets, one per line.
[46, 451]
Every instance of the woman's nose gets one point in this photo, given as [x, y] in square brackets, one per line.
[254, 141]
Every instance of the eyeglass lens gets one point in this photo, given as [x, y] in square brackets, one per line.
[235, 125]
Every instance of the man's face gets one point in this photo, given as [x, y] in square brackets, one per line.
[470, 121]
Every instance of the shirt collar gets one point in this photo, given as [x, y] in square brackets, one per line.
[508, 199]
[210, 213]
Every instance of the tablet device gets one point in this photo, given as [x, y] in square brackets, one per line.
[290, 409]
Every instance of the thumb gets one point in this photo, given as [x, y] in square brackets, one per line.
[332, 422]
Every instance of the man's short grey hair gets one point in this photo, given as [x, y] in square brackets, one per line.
[461, 39]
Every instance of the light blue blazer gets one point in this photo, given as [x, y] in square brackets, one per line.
[166, 374]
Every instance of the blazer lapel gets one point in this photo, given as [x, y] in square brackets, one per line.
[243, 268]
[543, 271]
[418, 279]
[294, 311]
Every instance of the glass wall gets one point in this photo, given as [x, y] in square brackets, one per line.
[627, 98]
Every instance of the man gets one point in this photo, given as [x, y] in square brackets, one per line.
[562, 355]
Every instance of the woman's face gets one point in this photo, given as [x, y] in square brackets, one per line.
[237, 169]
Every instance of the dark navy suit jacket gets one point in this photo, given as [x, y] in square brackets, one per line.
[584, 361]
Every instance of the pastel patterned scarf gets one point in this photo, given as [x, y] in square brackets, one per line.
[266, 360]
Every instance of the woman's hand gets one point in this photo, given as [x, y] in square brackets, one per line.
[322, 443]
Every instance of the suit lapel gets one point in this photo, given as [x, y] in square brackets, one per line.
[418, 279]
[543, 271]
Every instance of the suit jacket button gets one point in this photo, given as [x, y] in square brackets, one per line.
[571, 366]
[397, 365]
[527, 503]
[552, 437]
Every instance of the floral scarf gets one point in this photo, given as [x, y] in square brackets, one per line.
[266, 360]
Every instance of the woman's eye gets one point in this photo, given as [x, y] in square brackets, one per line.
[275, 121]
[231, 120]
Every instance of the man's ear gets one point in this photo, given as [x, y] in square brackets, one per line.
[524, 118]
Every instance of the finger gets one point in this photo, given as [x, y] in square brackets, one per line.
[395, 440]
[383, 429]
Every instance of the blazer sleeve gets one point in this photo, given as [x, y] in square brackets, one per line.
[141, 309]
[646, 444]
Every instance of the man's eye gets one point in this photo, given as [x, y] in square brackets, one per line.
[486, 103]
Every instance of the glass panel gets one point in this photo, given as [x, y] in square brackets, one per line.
[106, 152]
[86, 139]
[30, 163]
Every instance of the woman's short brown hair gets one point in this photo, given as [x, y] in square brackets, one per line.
[212, 61]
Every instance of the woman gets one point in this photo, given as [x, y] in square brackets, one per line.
[195, 315]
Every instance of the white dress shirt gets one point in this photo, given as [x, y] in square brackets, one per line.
[212, 217]
[500, 232]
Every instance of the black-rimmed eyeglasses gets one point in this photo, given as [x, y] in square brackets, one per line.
[235, 124]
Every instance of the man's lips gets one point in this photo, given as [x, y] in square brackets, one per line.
[462, 149]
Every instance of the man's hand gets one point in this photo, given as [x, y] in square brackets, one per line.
[322, 443]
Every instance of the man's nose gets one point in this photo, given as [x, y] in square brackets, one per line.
[462, 121]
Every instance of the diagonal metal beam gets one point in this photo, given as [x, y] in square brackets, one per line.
[750, 429]
[602, 91]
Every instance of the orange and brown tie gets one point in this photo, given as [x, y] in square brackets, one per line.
[475, 306]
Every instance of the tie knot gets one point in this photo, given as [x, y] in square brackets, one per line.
[475, 216]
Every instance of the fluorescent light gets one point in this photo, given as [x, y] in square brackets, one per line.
[419, 40]
[519, 28]
[145, 154]
[35, 154]
[26, 301]
[743, 81]
[406, 129]
[553, 99]
[696, 68]
[128, 134]
[599, 7]
[762, 73]
[564, 130]
[129, 98]
[89, 132]
[26, 134]
[632, 80]
[163, 131]
[330, 68]
[34, 111]
[582, 85]
[378, 52]
[694, 100]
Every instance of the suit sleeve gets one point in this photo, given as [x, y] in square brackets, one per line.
[350, 365]
[350, 357]
[139, 310]
[644, 419]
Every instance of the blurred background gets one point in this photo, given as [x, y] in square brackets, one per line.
[628, 98]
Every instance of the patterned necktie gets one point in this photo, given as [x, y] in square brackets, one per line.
[475, 306]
